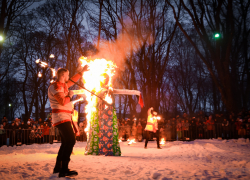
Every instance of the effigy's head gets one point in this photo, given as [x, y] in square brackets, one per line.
[106, 80]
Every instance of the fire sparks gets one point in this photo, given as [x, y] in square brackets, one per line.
[52, 56]
[94, 79]
[53, 72]
[39, 74]
[43, 64]
[37, 61]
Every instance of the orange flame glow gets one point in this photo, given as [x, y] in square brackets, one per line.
[93, 80]
[162, 141]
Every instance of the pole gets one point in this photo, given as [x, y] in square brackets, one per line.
[90, 92]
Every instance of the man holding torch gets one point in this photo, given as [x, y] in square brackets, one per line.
[152, 127]
[59, 97]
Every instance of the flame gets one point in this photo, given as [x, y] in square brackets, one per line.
[93, 80]
[43, 64]
[131, 141]
[53, 72]
[108, 99]
[162, 141]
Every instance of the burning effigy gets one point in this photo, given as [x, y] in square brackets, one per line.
[102, 125]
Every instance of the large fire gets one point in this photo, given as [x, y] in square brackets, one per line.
[93, 80]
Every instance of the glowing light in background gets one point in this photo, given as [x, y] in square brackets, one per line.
[52, 56]
[1, 38]
[39, 74]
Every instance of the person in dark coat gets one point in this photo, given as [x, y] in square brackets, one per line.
[225, 129]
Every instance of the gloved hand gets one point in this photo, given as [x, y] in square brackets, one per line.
[70, 94]
[85, 68]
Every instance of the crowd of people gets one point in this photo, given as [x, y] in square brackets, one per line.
[186, 127]
[18, 132]
[177, 128]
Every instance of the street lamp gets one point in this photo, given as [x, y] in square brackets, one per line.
[1, 38]
[216, 35]
[9, 105]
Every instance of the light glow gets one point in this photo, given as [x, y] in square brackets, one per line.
[162, 141]
[52, 56]
[40, 74]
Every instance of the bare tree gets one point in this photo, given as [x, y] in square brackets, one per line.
[10, 11]
[208, 18]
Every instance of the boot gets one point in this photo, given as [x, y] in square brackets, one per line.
[65, 172]
[57, 167]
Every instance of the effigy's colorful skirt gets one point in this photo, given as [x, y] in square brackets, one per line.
[103, 136]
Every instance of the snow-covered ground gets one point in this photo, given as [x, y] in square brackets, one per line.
[199, 159]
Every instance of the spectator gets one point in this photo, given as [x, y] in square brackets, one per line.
[121, 129]
[182, 129]
[186, 129]
[205, 131]
[225, 129]
[52, 134]
[27, 131]
[2, 136]
[4, 119]
[192, 129]
[49, 120]
[248, 129]
[173, 132]
[35, 123]
[5, 125]
[134, 131]
[46, 132]
[82, 131]
[233, 131]
[39, 134]
[127, 129]
[217, 126]
[238, 125]
[210, 124]
[139, 132]
[32, 135]
[12, 134]
[40, 121]
[32, 122]
[23, 129]
[49, 115]
[199, 126]
[241, 130]
[179, 129]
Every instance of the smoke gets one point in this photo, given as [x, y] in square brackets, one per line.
[117, 51]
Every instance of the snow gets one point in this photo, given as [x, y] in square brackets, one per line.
[199, 159]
